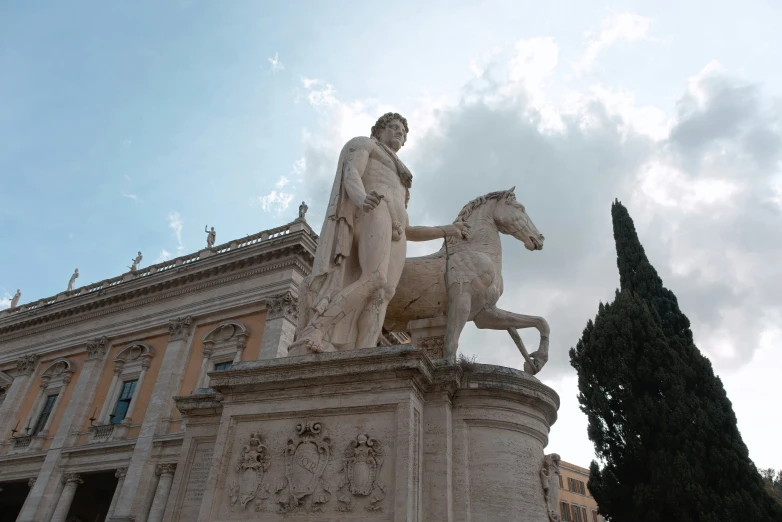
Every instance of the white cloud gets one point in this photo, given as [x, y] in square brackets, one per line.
[282, 181]
[130, 196]
[5, 300]
[276, 64]
[622, 27]
[175, 223]
[275, 200]
[165, 255]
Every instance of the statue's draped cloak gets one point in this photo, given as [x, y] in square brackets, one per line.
[328, 276]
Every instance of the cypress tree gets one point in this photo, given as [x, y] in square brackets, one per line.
[659, 418]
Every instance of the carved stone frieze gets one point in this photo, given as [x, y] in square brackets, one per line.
[96, 348]
[361, 465]
[179, 329]
[304, 489]
[250, 467]
[167, 468]
[283, 305]
[26, 365]
[433, 346]
[549, 480]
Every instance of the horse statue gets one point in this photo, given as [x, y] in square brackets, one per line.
[463, 280]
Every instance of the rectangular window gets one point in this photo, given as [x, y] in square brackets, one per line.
[594, 516]
[561, 486]
[581, 488]
[564, 509]
[584, 514]
[123, 403]
[575, 513]
[44, 415]
[570, 484]
[223, 366]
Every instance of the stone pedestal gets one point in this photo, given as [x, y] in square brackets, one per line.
[374, 434]
[429, 335]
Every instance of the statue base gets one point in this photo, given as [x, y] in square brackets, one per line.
[374, 434]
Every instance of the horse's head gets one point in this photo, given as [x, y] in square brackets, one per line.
[512, 219]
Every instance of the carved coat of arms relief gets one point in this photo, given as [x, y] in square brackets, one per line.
[251, 466]
[361, 465]
[304, 489]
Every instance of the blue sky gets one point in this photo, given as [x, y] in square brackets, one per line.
[129, 127]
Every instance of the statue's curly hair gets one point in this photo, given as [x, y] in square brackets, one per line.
[384, 120]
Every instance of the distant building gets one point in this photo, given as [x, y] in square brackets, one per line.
[88, 426]
[576, 504]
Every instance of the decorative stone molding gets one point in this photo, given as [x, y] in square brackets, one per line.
[304, 489]
[31, 482]
[72, 478]
[97, 347]
[5, 382]
[26, 365]
[222, 344]
[361, 465]
[120, 473]
[167, 468]
[180, 328]
[433, 346]
[250, 467]
[549, 479]
[60, 370]
[283, 305]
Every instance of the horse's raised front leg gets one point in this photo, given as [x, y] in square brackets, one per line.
[459, 304]
[493, 318]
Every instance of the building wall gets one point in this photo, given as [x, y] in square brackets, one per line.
[170, 308]
[574, 496]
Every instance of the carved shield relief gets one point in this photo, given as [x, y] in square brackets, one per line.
[305, 459]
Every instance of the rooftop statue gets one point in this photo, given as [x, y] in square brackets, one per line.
[134, 265]
[363, 243]
[73, 280]
[15, 298]
[302, 210]
[210, 237]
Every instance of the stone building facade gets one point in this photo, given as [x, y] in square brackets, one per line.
[576, 504]
[89, 429]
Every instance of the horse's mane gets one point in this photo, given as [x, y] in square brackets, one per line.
[480, 200]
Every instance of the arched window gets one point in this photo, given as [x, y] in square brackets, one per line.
[223, 347]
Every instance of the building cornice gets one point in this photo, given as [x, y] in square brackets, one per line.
[293, 249]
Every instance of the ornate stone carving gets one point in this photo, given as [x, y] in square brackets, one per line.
[61, 368]
[361, 468]
[549, 479]
[72, 478]
[251, 466]
[26, 365]
[179, 329]
[120, 473]
[306, 457]
[433, 346]
[96, 348]
[167, 468]
[282, 305]
[31, 482]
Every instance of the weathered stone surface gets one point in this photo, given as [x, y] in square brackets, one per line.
[376, 434]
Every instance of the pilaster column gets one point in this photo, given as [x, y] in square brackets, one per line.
[129, 414]
[166, 474]
[282, 315]
[120, 474]
[105, 410]
[134, 494]
[202, 377]
[15, 393]
[71, 481]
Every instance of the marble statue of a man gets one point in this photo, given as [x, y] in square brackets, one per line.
[136, 261]
[211, 235]
[15, 298]
[302, 211]
[363, 244]
[73, 279]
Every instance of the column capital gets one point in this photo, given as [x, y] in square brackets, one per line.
[179, 329]
[31, 482]
[282, 305]
[96, 348]
[120, 473]
[26, 365]
[167, 468]
[72, 478]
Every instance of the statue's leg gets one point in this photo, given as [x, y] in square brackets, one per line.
[459, 305]
[373, 233]
[493, 318]
[370, 322]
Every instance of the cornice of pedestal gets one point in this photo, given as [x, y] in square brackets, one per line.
[290, 246]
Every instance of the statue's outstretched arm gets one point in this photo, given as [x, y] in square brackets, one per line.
[458, 230]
